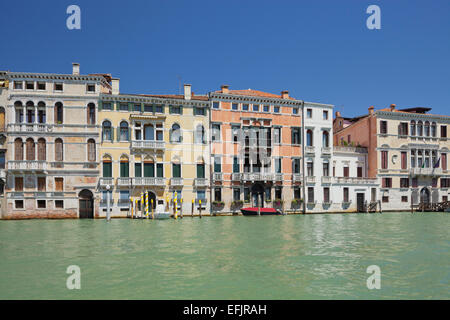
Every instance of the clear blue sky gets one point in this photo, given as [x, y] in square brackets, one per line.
[318, 50]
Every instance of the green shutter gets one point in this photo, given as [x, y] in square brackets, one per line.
[118, 133]
[112, 133]
[181, 110]
[176, 170]
[124, 170]
[100, 105]
[200, 170]
[130, 106]
[107, 169]
[117, 105]
[138, 170]
[159, 170]
[129, 134]
[149, 170]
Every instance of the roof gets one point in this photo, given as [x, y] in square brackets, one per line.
[253, 93]
[170, 96]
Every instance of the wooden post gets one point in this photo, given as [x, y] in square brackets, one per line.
[153, 214]
[192, 209]
[142, 204]
[132, 203]
[200, 207]
[181, 210]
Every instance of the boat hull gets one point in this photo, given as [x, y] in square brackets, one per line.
[262, 212]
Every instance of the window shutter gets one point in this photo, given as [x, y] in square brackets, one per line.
[118, 133]
[117, 105]
[129, 134]
[181, 109]
[130, 106]
[100, 105]
[112, 133]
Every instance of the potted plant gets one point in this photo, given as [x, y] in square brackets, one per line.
[295, 203]
[277, 203]
[218, 205]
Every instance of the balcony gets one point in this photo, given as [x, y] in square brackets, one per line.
[148, 145]
[257, 176]
[236, 176]
[30, 127]
[123, 182]
[149, 181]
[326, 150]
[278, 177]
[355, 180]
[310, 179]
[297, 177]
[176, 181]
[200, 182]
[217, 176]
[327, 180]
[310, 150]
[426, 171]
[103, 182]
[27, 165]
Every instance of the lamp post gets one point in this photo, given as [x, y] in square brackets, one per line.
[108, 215]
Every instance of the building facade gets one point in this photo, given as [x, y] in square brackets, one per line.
[407, 150]
[156, 144]
[53, 136]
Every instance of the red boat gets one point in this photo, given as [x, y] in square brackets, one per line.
[262, 211]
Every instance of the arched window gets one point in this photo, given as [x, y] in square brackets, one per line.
[433, 158]
[420, 128]
[107, 166]
[413, 128]
[59, 150]
[41, 116]
[19, 111]
[175, 133]
[42, 154]
[325, 139]
[18, 149]
[199, 135]
[106, 130]
[59, 113]
[91, 113]
[309, 138]
[427, 129]
[91, 150]
[31, 153]
[433, 129]
[124, 134]
[124, 167]
[30, 111]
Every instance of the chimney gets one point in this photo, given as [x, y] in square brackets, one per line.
[115, 85]
[187, 92]
[285, 94]
[75, 69]
[392, 107]
[338, 114]
[371, 110]
[225, 88]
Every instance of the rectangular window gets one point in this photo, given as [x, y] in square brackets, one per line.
[278, 165]
[383, 127]
[247, 194]
[217, 164]
[297, 193]
[403, 129]
[384, 159]
[41, 85]
[123, 106]
[414, 182]
[236, 194]
[326, 169]
[444, 161]
[149, 169]
[296, 165]
[234, 106]
[276, 109]
[159, 109]
[309, 113]
[266, 108]
[148, 108]
[199, 111]
[216, 105]
[59, 184]
[404, 160]
[310, 195]
[138, 169]
[159, 170]
[124, 169]
[445, 182]
[29, 85]
[277, 135]
[386, 182]
[245, 107]
[385, 199]
[218, 194]
[137, 107]
[58, 87]
[19, 204]
[176, 170]
[107, 169]
[444, 198]
[175, 109]
[404, 182]
[325, 115]
[41, 204]
[236, 165]
[215, 134]
[18, 85]
[256, 107]
[346, 172]
[107, 106]
[444, 131]
[310, 169]
[294, 110]
[41, 184]
[200, 170]
[59, 204]
[2, 160]
[90, 88]
[404, 198]
[124, 196]
[278, 194]
[359, 171]
[235, 130]
[201, 195]
[326, 195]
[346, 195]
[18, 184]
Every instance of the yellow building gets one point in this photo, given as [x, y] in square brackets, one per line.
[155, 144]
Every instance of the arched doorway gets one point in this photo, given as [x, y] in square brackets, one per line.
[257, 195]
[86, 204]
[424, 195]
[151, 196]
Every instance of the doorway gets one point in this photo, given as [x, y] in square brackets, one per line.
[258, 195]
[86, 204]
[425, 196]
[360, 202]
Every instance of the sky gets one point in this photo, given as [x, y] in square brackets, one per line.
[321, 51]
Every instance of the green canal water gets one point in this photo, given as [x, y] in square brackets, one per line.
[287, 257]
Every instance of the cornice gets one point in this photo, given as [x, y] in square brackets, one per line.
[214, 96]
[153, 100]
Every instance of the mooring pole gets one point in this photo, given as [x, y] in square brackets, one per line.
[108, 207]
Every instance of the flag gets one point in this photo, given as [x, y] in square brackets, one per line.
[423, 164]
[436, 165]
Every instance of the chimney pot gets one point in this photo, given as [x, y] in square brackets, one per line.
[187, 92]
[371, 108]
[75, 68]
[285, 94]
[392, 107]
[225, 88]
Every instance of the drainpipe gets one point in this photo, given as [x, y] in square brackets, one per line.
[303, 157]
[210, 154]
